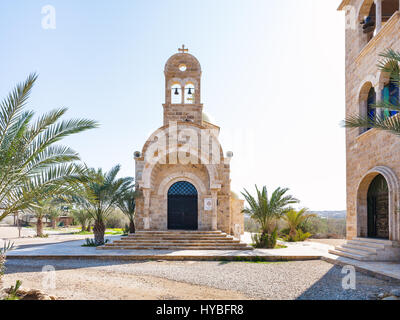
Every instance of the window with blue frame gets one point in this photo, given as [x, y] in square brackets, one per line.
[371, 110]
[390, 94]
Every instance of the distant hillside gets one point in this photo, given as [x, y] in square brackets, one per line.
[322, 214]
[331, 214]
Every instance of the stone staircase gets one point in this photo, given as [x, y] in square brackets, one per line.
[367, 249]
[177, 240]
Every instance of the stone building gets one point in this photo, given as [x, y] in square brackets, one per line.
[373, 157]
[182, 173]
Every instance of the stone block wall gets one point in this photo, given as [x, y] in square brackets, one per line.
[371, 149]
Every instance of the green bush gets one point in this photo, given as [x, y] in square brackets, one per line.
[116, 220]
[325, 228]
[300, 236]
[265, 241]
[92, 243]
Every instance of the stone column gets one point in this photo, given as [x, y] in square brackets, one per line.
[214, 218]
[378, 15]
[378, 94]
[146, 218]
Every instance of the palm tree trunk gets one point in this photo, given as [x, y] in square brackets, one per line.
[132, 228]
[292, 232]
[99, 229]
[88, 228]
[53, 223]
[39, 227]
[83, 227]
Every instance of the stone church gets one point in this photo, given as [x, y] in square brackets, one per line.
[373, 157]
[182, 172]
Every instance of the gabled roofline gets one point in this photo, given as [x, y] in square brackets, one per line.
[343, 4]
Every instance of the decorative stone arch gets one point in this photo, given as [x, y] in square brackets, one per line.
[173, 81]
[394, 204]
[181, 176]
[364, 8]
[211, 169]
[363, 93]
[372, 80]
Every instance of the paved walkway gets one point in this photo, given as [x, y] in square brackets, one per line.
[73, 249]
[68, 247]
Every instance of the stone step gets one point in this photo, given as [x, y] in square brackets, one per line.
[176, 241]
[366, 244]
[376, 241]
[354, 251]
[176, 244]
[174, 248]
[179, 232]
[349, 255]
[179, 238]
[361, 247]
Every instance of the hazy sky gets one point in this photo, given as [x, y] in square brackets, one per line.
[273, 80]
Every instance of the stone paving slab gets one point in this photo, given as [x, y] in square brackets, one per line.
[294, 252]
[74, 250]
[382, 270]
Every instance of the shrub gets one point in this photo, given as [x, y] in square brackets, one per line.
[300, 236]
[6, 247]
[116, 220]
[92, 243]
[13, 292]
[265, 241]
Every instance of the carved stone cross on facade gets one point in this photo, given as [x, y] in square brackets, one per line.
[183, 49]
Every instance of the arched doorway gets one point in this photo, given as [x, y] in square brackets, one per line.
[378, 208]
[182, 206]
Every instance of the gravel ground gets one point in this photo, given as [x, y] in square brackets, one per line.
[80, 279]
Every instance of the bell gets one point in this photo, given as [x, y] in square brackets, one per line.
[190, 91]
[176, 91]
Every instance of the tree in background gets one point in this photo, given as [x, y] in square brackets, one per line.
[32, 166]
[99, 195]
[127, 205]
[83, 217]
[294, 219]
[40, 209]
[266, 211]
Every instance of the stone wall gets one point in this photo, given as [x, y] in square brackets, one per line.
[237, 215]
[371, 149]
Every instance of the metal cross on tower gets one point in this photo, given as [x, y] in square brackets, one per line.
[183, 49]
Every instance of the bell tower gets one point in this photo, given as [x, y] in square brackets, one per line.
[182, 88]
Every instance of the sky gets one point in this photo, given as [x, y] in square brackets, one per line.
[273, 80]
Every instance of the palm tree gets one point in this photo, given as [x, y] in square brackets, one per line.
[41, 209]
[127, 205]
[99, 196]
[295, 218]
[82, 216]
[53, 213]
[266, 211]
[389, 64]
[31, 165]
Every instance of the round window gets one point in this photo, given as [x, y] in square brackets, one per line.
[182, 67]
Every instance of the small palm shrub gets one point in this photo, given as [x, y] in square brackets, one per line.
[6, 247]
[93, 243]
[298, 236]
[13, 292]
[265, 240]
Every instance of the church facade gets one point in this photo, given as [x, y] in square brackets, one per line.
[182, 173]
[373, 157]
